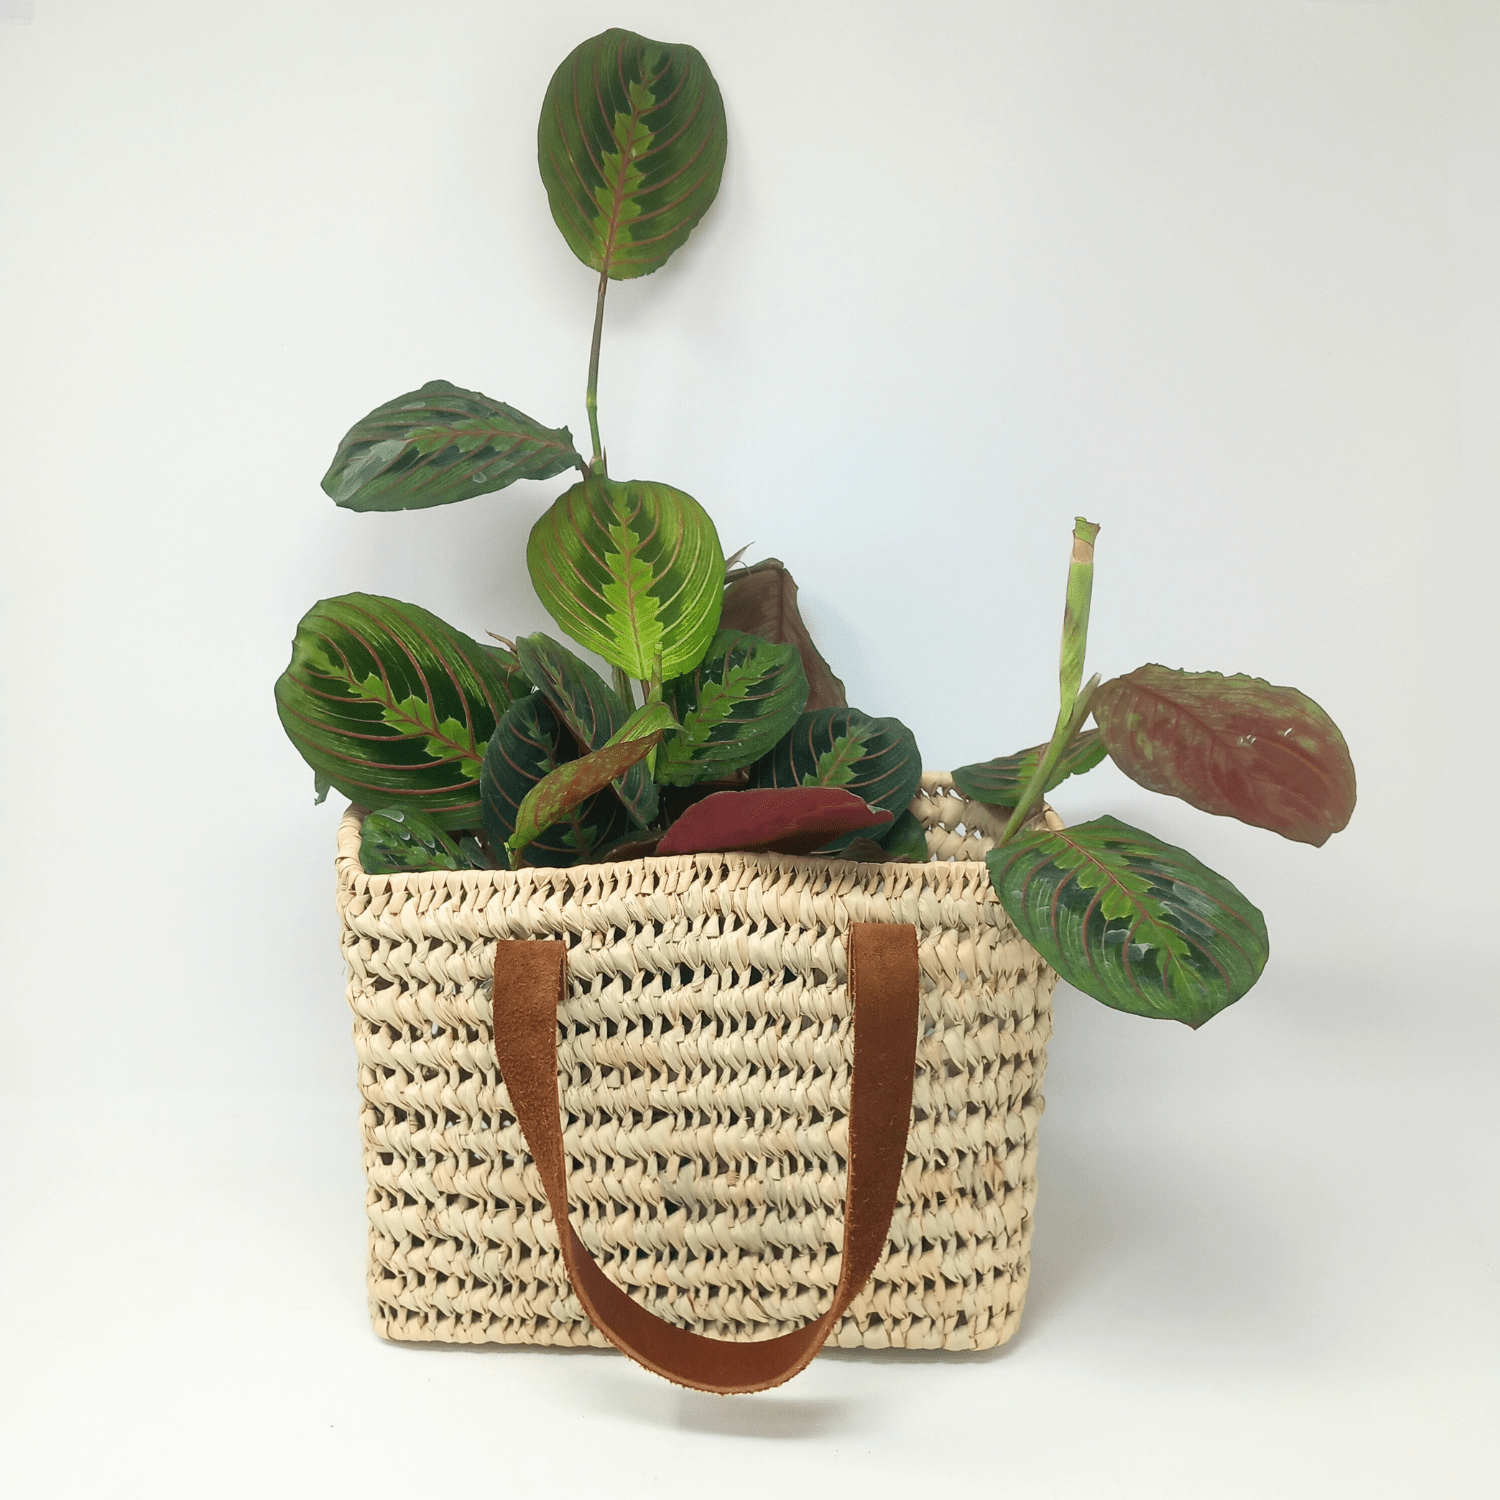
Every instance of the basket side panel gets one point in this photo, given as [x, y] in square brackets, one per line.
[703, 1066]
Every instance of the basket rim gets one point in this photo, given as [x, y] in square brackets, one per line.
[353, 877]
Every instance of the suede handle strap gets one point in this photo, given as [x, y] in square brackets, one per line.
[531, 982]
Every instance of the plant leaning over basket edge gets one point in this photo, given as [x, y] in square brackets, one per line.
[723, 727]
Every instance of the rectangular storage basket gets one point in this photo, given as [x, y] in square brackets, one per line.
[704, 1073]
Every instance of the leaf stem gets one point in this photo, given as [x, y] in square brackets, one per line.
[591, 399]
[1069, 724]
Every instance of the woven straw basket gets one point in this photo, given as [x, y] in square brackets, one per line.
[704, 1077]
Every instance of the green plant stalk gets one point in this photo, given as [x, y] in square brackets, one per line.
[1074, 706]
[1069, 723]
[591, 398]
[1075, 634]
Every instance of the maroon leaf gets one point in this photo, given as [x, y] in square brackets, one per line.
[762, 600]
[1236, 746]
[788, 820]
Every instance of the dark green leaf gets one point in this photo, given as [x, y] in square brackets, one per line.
[563, 789]
[475, 852]
[906, 838]
[391, 841]
[441, 444]
[591, 709]
[528, 744]
[632, 571]
[1000, 782]
[762, 601]
[1236, 746]
[1134, 922]
[733, 707]
[321, 787]
[876, 759]
[631, 147]
[392, 705]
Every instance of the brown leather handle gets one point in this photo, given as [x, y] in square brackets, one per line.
[530, 983]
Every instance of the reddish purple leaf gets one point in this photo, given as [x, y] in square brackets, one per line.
[788, 820]
[1237, 746]
[762, 600]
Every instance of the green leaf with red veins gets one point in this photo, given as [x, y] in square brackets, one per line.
[528, 744]
[631, 146]
[441, 444]
[592, 710]
[1000, 782]
[1137, 923]
[1236, 746]
[563, 789]
[733, 707]
[393, 706]
[631, 570]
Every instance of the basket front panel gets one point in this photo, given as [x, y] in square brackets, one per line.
[704, 1077]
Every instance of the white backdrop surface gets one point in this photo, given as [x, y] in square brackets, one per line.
[1223, 278]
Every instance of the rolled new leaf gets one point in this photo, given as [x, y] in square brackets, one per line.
[563, 789]
[632, 571]
[393, 706]
[1000, 782]
[762, 601]
[592, 710]
[1137, 923]
[1236, 746]
[733, 707]
[631, 146]
[528, 744]
[440, 444]
[792, 820]
[392, 841]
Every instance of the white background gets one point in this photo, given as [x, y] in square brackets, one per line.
[1222, 277]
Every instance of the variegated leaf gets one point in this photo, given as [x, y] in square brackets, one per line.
[631, 147]
[733, 707]
[1000, 782]
[1137, 923]
[632, 571]
[592, 710]
[441, 444]
[392, 706]
[528, 744]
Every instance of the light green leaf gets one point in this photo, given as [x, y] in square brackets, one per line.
[1137, 923]
[631, 146]
[632, 571]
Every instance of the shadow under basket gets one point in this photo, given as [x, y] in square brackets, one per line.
[703, 1071]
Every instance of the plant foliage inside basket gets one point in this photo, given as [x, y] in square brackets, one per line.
[722, 726]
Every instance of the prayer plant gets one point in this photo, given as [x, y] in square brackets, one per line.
[723, 727]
